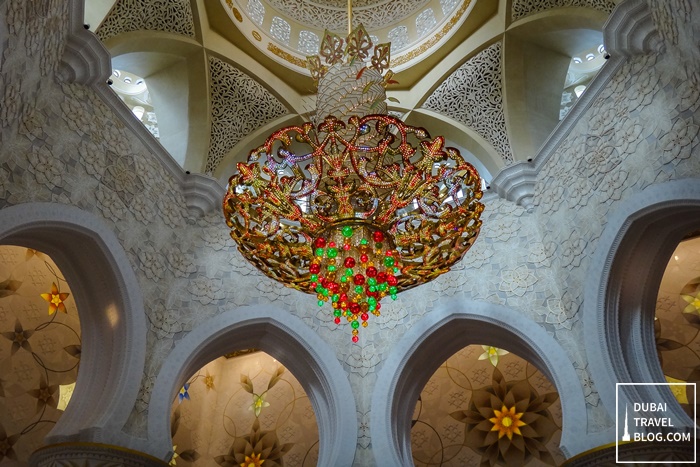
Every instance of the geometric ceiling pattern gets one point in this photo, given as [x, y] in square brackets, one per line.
[239, 106]
[173, 16]
[473, 95]
[334, 17]
[522, 8]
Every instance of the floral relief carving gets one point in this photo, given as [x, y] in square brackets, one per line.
[473, 95]
[121, 177]
[517, 281]
[174, 16]
[523, 8]
[678, 142]
[240, 105]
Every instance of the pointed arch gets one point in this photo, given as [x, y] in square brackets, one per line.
[620, 293]
[452, 325]
[287, 339]
[110, 307]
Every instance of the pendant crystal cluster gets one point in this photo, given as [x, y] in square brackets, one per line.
[358, 205]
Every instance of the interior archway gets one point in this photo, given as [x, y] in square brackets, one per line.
[282, 336]
[485, 405]
[537, 52]
[40, 348]
[112, 320]
[620, 294]
[175, 71]
[244, 408]
[449, 327]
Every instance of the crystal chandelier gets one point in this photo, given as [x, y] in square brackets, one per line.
[356, 205]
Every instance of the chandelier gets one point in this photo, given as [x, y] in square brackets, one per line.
[356, 205]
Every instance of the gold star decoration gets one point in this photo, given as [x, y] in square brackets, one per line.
[507, 422]
[55, 299]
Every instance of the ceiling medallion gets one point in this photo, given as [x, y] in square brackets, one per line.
[356, 205]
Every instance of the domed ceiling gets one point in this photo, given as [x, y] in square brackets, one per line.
[288, 31]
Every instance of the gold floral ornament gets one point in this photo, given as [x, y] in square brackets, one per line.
[257, 447]
[358, 208]
[693, 302]
[55, 299]
[259, 403]
[492, 354]
[7, 444]
[209, 380]
[252, 461]
[508, 423]
[44, 395]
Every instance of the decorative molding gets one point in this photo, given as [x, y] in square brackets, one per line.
[283, 54]
[577, 111]
[203, 194]
[630, 30]
[199, 191]
[85, 59]
[523, 8]
[478, 106]
[516, 183]
[334, 18]
[647, 452]
[430, 43]
[91, 455]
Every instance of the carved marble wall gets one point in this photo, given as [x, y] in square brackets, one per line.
[60, 142]
[643, 129]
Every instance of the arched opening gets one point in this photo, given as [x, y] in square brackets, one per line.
[40, 349]
[485, 405]
[621, 294]
[112, 320]
[133, 91]
[286, 339]
[175, 71]
[244, 408]
[583, 67]
[451, 326]
[538, 52]
[677, 321]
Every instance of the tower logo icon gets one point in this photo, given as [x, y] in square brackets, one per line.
[626, 434]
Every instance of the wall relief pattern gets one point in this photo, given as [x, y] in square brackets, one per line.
[473, 95]
[174, 16]
[239, 106]
[523, 8]
[62, 143]
[77, 152]
[643, 129]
